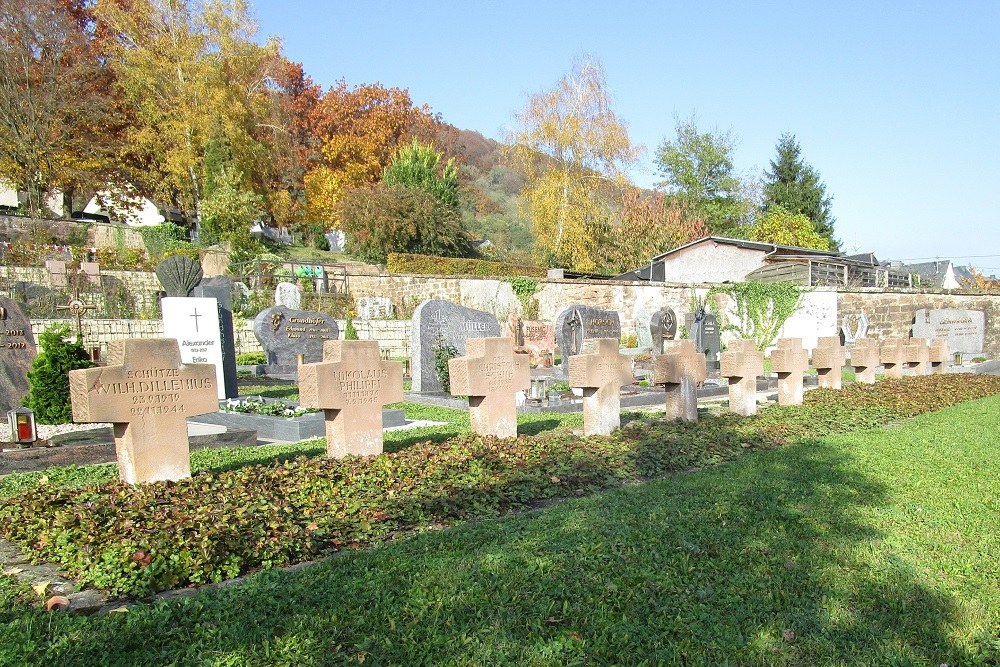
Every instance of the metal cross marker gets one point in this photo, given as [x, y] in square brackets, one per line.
[77, 308]
[195, 315]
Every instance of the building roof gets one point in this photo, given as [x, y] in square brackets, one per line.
[932, 274]
[753, 245]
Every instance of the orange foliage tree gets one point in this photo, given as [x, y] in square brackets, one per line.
[649, 224]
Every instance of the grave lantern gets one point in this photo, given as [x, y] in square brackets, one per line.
[22, 425]
[537, 392]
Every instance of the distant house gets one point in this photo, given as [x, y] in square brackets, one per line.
[716, 259]
[126, 206]
[941, 273]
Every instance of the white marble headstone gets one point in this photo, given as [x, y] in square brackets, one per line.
[194, 322]
[288, 295]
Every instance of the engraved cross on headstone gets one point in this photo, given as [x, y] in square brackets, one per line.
[828, 360]
[195, 315]
[148, 394]
[351, 385]
[600, 370]
[681, 368]
[742, 363]
[490, 374]
[865, 358]
[790, 362]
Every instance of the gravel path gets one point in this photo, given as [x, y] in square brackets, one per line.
[46, 431]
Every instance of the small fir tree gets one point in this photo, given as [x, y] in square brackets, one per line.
[49, 375]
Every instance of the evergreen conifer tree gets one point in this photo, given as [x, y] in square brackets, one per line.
[795, 185]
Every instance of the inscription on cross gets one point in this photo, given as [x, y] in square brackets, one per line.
[490, 374]
[351, 385]
[828, 360]
[790, 362]
[680, 369]
[148, 394]
[893, 357]
[742, 363]
[600, 370]
[917, 355]
[865, 358]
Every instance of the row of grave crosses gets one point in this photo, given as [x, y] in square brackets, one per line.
[148, 394]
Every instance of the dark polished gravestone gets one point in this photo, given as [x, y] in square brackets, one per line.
[285, 333]
[706, 335]
[220, 288]
[662, 328]
[578, 323]
[17, 351]
[438, 322]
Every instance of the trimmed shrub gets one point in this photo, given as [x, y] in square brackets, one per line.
[49, 375]
[251, 359]
[399, 262]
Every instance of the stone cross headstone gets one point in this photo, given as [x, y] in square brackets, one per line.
[285, 333]
[195, 324]
[939, 356]
[220, 288]
[439, 322]
[790, 361]
[490, 374]
[148, 394]
[578, 323]
[351, 385]
[539, 339]
[854, 328]
[917, 355]
[681, 368]
[662, 328]
[865, 358]
[828, 360]
[742, 363]
[963, 330]
[17, 351]
[892, 354]
[288, 295]
[600, 370]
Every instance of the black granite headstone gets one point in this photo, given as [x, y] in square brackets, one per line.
[285, 333]
[437, 322]
[220, 288]
[17, 351]
[662, 327]
[706, 335]
[579, 323]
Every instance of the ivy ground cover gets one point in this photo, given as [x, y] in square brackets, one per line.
[873, 547]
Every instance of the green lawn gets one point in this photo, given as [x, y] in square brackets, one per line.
[868, 548]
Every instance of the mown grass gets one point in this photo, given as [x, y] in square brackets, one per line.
[875, 547]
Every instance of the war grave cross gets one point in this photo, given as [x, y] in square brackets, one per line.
[938, 356]
[893, 357]
[600, 370]
[148, 394]
[742, 363]
[490, 374]
[351, 385]
[681, 368]
[865, 358]
[790, 361]
[828, 360]
[917, 355]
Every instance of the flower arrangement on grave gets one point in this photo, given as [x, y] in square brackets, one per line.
[258, 406]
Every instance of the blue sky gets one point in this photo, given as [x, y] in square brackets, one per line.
[897, 105]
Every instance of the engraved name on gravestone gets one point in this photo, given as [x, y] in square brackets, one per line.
[578, 323]
[195, 323]
[220, 288]
[285, 333]
[438, 322]
[706, 336]
[964, 330]
[539, 339]
[662, 328]
[17, 351]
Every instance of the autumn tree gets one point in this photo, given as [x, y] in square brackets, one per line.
[573, 149]
[649, 224]
[795, 185]
[783, 227]
[56, 121]
[698, 171]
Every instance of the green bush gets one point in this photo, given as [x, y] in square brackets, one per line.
[399, 262]
[251, 359]
[350, 333]
[442, 353]
[49, 379]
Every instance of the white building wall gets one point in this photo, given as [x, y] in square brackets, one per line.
[711, 262]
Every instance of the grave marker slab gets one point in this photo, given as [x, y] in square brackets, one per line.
[662, 328]
[643, 326]
[939, 356]
[964, 330]
[57, 273]
[917, 355]
[490, 374]
[865, 358]
[351, 385]
[195, 324]
[742, 363]
[892, 354]
[442, 322]
[539, 339]
[374, 308]
[578, 323]
[600, 370]
[790, 361]
[828, 360]
[220, 288]
[285, 333]
[288, 295]
[148, 394]
[707, 337]
[17, 351]
[680, 368]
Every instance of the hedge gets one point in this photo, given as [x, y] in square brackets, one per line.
[399, 262]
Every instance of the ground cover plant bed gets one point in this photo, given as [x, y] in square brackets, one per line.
[875, 547]
[133, 541]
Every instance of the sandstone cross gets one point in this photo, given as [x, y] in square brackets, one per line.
[351, 385]
[938, 356]
[600, 370]
[790, 361]
[490, 374]
[148, 394]
[865, 358]
[681, 368]
[917, 355]
[893, 357]
[828, 360]
[742, 363]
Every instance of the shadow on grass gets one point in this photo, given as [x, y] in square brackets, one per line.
[775, 559]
